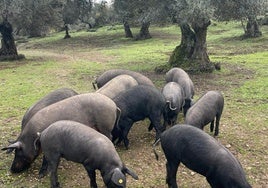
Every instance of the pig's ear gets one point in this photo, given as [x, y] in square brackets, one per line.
[168, 103]
[11, 147]
[131, 173]
[118, 178]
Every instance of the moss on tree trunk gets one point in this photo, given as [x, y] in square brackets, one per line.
[191, 54]
[183, 52]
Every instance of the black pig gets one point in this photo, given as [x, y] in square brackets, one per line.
[116, 85]
[138, 103]
[81, 144]
[92, 109]
[110, 74]
[182, 78]
[205, 110]
[174, 96]
[53, 97]
[203, 154]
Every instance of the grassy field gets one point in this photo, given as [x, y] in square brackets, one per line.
[52, 62]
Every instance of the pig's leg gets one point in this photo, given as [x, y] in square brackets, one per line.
[127, 123]
[212, 126]
[92, 176]
[43, 169]
[53, 166]
[171, 174]
[155, 119]
[218, 117]
[151, 126]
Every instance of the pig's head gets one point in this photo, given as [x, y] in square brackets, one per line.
[25, 154]
[117, 178]
[170, 114]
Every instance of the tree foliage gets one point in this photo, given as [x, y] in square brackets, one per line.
[38, 17]
[139, 13]
[102, 14]
[238, 9]
[33, 17]
[74, 10]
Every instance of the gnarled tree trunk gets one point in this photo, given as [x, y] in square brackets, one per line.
[185, 49]
[128, 32]
[200, 55]
[144, 31]
[252, 29]
[191, 54]
[8, 44]
[8, 49]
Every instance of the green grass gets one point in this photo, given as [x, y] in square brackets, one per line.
[52, 62]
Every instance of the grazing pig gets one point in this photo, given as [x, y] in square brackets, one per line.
[203, 154]
[110, 74]
[81, 144]
[205, 110]
[116, 85]
[52, 97]
[138, 103]
[174, 96]
[92, 109]
[182, 78]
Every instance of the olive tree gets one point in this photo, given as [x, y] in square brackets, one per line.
[8, 50]
[244, 10]
[76, 10]
[138, 12]
[38, 17]
[124, 8]
[70, 14]
[193, 18]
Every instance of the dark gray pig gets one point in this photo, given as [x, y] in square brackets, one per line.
[92, 109]
[182, 78]
[110, 74]
[138, 103]
[52, 97]
[81, 144]
[174, 96]
[116, 85]
[203, 154]
[205, 110]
